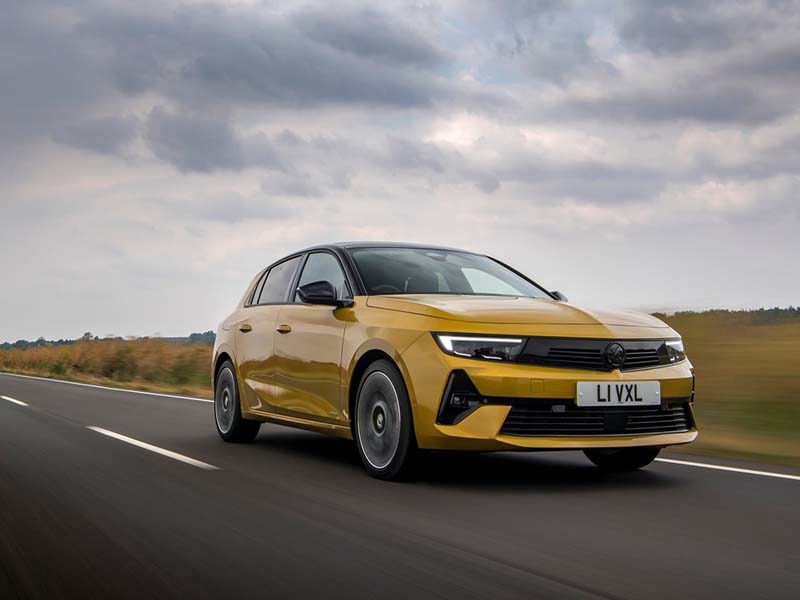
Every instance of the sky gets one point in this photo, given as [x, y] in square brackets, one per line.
[155, 155]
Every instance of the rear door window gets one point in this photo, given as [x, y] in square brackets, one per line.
[279, 278]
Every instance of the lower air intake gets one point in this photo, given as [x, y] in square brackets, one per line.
[529, 417]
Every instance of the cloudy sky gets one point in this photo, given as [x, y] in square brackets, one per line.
[155, 154]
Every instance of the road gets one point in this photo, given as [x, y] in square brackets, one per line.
[85, 515]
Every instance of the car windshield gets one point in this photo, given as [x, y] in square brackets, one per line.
[429, 271]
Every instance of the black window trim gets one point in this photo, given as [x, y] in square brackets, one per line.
[252, 294]
[301, 256]
[347, 269]
[299, 274]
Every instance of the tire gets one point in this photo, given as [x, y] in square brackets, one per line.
[622, 459]
[383, 427]
[231, 426]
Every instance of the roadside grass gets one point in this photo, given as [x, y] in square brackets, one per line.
[747, 365]
[152, 364]
[748, 384]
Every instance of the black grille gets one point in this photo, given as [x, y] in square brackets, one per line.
[534, 417]
[591, 354]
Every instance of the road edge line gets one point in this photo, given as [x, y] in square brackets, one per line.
[688, 463]
[106, 387]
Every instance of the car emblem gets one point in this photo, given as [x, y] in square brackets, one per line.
[615, 355]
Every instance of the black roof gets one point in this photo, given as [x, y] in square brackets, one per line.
[367, 244]
[341, 248]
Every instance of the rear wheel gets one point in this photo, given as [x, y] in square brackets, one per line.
[384, 430]
[622, 459]
[231, 426]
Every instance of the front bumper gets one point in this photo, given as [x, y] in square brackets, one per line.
[428, 370]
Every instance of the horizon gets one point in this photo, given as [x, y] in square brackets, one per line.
[181, 336]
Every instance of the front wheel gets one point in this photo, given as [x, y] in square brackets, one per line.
[231, 426]
[622, 459]
[384, 430]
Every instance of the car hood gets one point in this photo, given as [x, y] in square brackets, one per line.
[508, 309]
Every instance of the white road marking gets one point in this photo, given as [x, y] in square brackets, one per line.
[207, 466]
[105, 387]
[20, 402]
[169, 453]
[687, 463]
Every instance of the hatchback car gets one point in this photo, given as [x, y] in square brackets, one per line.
[404, 347]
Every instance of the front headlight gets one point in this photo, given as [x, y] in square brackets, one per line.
[474, 346]
[675, 351]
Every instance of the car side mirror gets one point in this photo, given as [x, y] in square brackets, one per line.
[321, 292]
[559, 296]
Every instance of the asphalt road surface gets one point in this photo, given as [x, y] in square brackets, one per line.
[84, 514]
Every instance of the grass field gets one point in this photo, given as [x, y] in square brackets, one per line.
[747, 366]
[153, 364]
[748, 383]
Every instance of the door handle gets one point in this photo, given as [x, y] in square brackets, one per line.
[283, 328]
[245, 327]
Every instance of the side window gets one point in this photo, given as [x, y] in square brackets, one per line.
[257, 290]
[279, 278]
[322, 266]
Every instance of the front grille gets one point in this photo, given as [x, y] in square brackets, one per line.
[534, 417]
[576, 357]
[642, 357]
[591, 354]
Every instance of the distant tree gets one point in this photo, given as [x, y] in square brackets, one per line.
[207, 337]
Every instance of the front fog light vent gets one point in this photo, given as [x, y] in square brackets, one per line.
[459, 401]
[461, 397]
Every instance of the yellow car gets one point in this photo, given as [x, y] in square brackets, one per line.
[403, 347]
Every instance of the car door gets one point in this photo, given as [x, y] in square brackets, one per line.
[255, 336]
[308, 347]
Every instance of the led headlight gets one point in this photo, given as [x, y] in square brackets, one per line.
[489, 348]
[675, 351]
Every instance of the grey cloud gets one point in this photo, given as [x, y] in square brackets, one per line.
[200, 55]
[703, 100]
[103, 135]
[679, 26]
[540, 40]
[230, 208]
[405, 154]
[204, 142]
[48, 78]
[778, 59]
[291, 184]
[675, 26]
[487, 183]
[194, 143]
[491, 15]
[369, 32]
[564, 60]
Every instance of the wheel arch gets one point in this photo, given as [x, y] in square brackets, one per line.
[368, 355]
[221, 358]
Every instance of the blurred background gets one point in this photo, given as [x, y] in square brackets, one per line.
[155, 155]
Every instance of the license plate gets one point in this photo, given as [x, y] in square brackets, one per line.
[605, 393]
